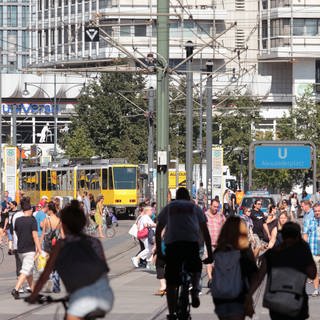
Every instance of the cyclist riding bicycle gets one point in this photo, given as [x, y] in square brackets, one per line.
[184, 222]
[81, 264]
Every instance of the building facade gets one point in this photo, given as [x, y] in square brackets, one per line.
[267, 48]
[15, 35]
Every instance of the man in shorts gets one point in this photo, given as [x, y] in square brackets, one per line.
[183, 222]
[28, 244]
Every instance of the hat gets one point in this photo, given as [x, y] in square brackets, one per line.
[45, 197]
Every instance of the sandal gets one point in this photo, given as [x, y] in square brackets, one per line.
[160, 293]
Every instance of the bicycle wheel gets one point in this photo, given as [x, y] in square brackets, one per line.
[110, 232]
[1, 255]
[183, 308]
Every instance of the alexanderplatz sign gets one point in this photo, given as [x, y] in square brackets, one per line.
[283, 155]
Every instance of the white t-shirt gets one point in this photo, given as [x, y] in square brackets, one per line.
[144, 220]
[182, 220]
[15, 238]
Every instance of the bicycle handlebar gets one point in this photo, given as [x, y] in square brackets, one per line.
[42, 299]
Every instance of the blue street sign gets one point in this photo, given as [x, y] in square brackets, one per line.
[282, 157]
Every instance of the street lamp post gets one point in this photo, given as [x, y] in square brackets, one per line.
[209, 65]
[189, 110]
[239, 150]
[55, 116]
[151, 96]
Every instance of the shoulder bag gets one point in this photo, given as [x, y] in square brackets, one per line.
[284, 292]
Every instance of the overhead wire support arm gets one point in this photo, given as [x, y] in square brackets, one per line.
[208, 44]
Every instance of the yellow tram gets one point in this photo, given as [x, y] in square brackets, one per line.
[115, 179]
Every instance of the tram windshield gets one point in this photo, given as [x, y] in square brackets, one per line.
[125, 178]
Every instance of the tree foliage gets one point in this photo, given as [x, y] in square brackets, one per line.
[302, 124]
[112, 118]
[233, 121]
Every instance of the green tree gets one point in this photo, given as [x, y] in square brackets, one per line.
[302, 123]
[77, 144]
[235, 115]
[112, 118]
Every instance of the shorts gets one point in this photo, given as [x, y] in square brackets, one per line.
[317, 262]
[90, 298]
[27, 260]
[176, 254]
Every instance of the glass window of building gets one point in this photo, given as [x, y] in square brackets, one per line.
[140, 30]
[25, 16]
[298, 27]
[125, 28]
[311, 27]
[1, 16]
[12, 16]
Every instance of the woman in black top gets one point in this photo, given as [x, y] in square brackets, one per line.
[234, 237]
[81, 264]
[294, 253]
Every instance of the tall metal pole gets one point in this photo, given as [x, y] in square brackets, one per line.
[151, 94]
[209, 65]
[55, 115]
[1, 153]
[162, 103]
[200, 122]
[241, 171]
[14, 124]
[189, 122]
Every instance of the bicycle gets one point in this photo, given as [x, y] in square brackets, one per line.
[46, 300]
[183, 294]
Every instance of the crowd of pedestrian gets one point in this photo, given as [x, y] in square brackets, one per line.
[46, 232]
[257, 243]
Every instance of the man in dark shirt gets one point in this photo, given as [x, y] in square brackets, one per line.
[28, 244]
[259, 220]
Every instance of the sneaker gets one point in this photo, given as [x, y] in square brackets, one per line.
[315, 293]
[195, 301]
[27, 289]
[15, 294]
[21, 290]
[135, 261]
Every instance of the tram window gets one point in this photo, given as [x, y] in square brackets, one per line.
[125, 178]
[58, 180]
[63, 180]
[95, 179]
[70, 180]
[24, 180]
[81, 179]
[104, 179]
[37, 185]
[87, 179]
[53, 180]
[43, 180]
[110, 179]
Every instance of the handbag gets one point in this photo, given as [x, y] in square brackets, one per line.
[133, 231]
[143, 233]
[284, 292]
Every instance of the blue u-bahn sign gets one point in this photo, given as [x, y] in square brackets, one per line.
[282, 157]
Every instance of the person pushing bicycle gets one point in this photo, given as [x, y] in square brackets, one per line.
[184, 222]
